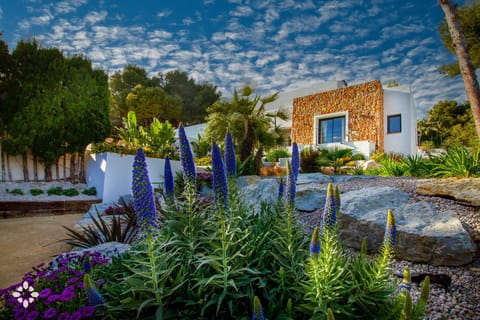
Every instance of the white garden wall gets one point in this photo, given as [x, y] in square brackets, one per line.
[111, 174]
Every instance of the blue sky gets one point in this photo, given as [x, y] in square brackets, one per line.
[274, 45]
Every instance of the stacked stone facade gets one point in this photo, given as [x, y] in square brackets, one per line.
[363, 102]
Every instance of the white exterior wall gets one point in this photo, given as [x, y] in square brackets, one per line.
[111, 174]
[399, 100]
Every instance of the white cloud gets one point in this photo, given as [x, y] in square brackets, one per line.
[93, 17]
[164, 13]
[241, 11]
[63, 7]
[188, 21]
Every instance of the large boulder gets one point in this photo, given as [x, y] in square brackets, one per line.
[255, 190]
[316, 177]
[310, 199]
[465, 190]
[423, 234]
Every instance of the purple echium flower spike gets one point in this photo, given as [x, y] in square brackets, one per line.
[168, 179]
[315, 243]
[290, 186]
[337, 200]
[143, 198]
[219, 182]
[295, 160]
[329, 217]
[229, 154]
[407, 280]
[257, 309]
[93, 296]
[281, 188]
[186, 158]
[390, 236]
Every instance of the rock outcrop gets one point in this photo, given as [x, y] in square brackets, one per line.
[465, 190]
[423, 234]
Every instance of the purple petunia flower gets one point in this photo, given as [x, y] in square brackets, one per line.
[63, 316]
[87, 311]
[229, 155]
[32, 315]
[315, 243]
[219, 183]
[168, 179]
[75, 316]
[390, 236]
[186, 158]
[52, 298]
[143, 199]
[67, 295]
[45, 293]
[329, 217]
[50, 313]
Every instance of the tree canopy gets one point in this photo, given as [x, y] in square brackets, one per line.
[172, 96]
[469, 17]
[52, 105]
[448, 123]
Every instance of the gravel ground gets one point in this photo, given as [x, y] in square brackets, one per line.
[462, 299]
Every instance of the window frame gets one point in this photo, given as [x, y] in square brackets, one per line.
[319, 118]
[391, 117]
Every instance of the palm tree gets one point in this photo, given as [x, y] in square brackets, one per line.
[244, 117]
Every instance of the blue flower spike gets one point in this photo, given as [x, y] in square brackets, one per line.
[407, 280]
[295, 160]
[329, 217]
[257, 309]
[186, 158]
[168, 179]
[390, 236]
[290, 186]
[143, 198]
[219, 182]
[315, 244]
[229, 154]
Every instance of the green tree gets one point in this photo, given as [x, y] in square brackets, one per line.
[244, 117]
[469, 19]
[122, 83]
[195, 97]
[153, 102]
[448, 123]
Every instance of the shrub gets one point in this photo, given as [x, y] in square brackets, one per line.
[336, 158]
[36, 192]
[457, 162]
[276, 154]
[16, 191]
[90, 191]
[393, 168]
[70, 192]
[308, 159]
[58, 191]
[205, 161]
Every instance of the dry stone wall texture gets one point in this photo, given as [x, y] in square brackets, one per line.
[363, 102]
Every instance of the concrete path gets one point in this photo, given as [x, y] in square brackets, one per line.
[27, 241]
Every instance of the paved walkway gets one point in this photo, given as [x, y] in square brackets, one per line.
[25, 242]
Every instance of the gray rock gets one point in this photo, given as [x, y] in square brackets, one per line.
[95, 210]
[107, 250]
[255, 190]
[310, 199]
[423, 235]
[316, 177]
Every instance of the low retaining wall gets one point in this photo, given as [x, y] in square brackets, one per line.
[13, 209]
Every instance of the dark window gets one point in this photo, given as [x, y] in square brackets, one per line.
[394, 124]
[331, 130]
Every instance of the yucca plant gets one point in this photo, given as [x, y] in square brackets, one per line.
[457, 162]
[392, 168]
[120, 228]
